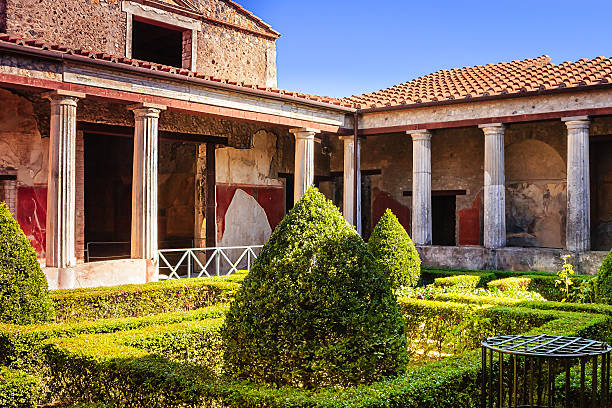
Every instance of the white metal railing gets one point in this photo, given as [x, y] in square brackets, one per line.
[198, 262]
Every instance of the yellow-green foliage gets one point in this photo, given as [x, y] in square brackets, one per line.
[458, 282]
[394, 251]
[24, 295]
[603, 285]
[314, 310]
[143, 300]
[18, 389]
[510, 284]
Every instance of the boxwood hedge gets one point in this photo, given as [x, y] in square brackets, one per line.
[315, 310]
[143, 300]
[18, 389]
[24, 295]
[126, 368]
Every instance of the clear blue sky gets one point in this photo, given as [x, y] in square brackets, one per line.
[343, 47]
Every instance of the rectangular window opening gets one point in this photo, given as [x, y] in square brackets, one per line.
[160, 44]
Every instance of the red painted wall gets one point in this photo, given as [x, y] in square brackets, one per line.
[382, 201]
[271, 199]
[32, 216]
[469, 224]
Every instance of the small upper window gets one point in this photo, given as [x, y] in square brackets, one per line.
[158, 44]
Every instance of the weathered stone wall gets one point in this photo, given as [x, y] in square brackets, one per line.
[97, 25]
[535, 160]
[237, 56]
[251, 196]
[24, 154]
[101, 26]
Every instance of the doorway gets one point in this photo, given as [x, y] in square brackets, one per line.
[444, 218]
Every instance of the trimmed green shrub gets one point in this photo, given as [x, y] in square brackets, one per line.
[315, 310]
[394, 251]
[603, 284]
[18, 389]
[142, 300]
[458, 282]
[510, 284]
[24, 294]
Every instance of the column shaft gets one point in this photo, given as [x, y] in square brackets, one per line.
[348, 200]
[421, 187]
[578, 232]
[304, 161]
[144, 187]
[60, 228]
[494, 187]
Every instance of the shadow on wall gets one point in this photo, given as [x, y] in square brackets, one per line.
[3, 16]
[536, 194]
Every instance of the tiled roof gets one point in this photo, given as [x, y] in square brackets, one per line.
[505, 78]
[153, 67]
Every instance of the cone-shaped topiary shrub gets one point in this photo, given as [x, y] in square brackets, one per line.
[24, 296]
[314, 310]
[394, 251]
[603, 283]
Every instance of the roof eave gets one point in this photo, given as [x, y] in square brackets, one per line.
[60, 56]
[484, 98]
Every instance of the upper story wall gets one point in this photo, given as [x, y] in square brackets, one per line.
[229, 42]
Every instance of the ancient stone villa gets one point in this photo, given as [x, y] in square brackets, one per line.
[133, 125]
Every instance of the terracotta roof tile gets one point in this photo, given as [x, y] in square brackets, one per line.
[5, 38]
[505, 78]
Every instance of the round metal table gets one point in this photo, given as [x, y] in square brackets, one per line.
[537, 371]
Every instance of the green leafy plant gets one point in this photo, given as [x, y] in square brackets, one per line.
[458, 282]
[603, 284]
[565, 277]
[24, 294]
[510, 284]
[395, 252]
[18, 389]
[315, 310]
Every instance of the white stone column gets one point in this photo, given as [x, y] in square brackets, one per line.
[494, 186]
[348, 208]
[60, 247]
[304, 161]
[421, 186]
[144, 187]
[578, 232]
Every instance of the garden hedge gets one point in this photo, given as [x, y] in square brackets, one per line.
[114, 368]
[395, 252]
[315, 309]
[18, 389]
[541, 282]
[143, 300]
[603, 284]
[510, 284]
[458, 282]
[24, 295]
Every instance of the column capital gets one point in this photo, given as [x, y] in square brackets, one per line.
[492, 128]
[304, 133]
[350, 138]
[64, 97]
[577, 122]
[147, 109]
[419, 134]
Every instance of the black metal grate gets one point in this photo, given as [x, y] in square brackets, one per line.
[544, 345]
[536, 371]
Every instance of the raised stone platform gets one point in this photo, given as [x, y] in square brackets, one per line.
[105, 273]
[507, 259]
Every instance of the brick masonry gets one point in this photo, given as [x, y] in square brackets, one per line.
[101, 26]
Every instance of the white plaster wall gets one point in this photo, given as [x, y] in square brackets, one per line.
[21, 146]
[248, 166]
